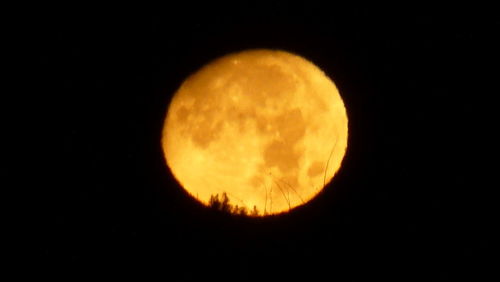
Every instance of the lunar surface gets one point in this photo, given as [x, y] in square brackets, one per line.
[267, 128]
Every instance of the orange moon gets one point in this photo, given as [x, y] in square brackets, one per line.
[266, 128]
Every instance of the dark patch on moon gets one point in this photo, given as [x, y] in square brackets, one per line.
[182, 114]
[280, 155]
[206, 133]
[315, 169]
[282, 151]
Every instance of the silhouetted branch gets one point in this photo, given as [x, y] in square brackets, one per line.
[328, 161]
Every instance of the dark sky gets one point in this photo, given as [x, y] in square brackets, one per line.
[410, 201]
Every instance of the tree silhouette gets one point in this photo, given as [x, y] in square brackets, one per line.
[254, 212]
[239, 210]
[214, 202]
[222, 203]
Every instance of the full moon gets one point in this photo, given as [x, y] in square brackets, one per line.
[258, 131]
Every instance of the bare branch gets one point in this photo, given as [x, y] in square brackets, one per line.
[288, 184]
[328, 161]
[283, 193]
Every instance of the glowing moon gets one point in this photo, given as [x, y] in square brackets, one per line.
[267, 128]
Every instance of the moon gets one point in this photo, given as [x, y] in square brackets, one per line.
[263, 131]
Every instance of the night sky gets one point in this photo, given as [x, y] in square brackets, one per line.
[410, 201]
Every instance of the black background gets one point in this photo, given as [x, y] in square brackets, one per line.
[410, 201]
